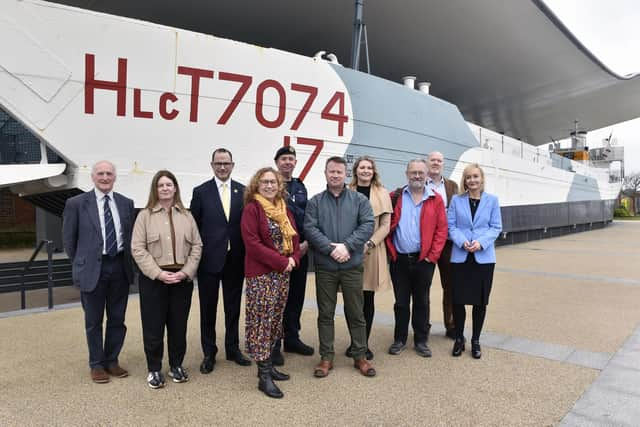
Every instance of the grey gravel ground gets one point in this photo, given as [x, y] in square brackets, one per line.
[561, 343]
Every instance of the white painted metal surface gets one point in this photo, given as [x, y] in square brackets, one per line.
[149, 97]
[177, 95]
[17, 174]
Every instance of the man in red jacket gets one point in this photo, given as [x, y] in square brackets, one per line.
[415, 241]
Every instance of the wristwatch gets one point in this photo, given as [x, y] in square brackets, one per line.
[370, 244]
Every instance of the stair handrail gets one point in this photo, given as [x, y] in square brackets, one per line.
[23, 293]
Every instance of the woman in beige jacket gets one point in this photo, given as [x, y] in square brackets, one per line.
[166, 246]
[366, 180]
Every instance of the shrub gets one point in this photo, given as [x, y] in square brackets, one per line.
[621, 212]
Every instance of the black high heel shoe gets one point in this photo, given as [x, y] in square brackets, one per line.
[476, 351]
[458, 347]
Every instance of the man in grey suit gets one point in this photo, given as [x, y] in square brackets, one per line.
[97, 229]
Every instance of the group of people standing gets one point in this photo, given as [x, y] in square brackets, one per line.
[364, 239]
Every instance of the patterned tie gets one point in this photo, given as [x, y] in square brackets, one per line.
[226, 205]
[109, 230]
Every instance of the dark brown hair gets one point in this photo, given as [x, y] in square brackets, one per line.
[222, 151]
[335, 159]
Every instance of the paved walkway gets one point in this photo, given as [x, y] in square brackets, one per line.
[561, 347]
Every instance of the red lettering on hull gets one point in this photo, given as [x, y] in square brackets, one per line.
[317, 143]
[164, 113]
[196, 74]
[167, 112]
[245, 83]
[91, 84]
[313, 93]
[282, 103]
[137, 109]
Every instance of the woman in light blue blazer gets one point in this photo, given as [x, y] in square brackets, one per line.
[474, 225]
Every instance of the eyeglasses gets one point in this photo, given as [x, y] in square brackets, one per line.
[416, 173]
[222, 164]
[267, 182]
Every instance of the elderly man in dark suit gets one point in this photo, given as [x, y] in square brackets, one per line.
[216, 206]
[97, 237]
[447, 189]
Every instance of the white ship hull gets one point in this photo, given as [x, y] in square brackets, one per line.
[92, 86]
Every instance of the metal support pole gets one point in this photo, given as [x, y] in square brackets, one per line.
[357, 35]
[23, 296]
[366, 48]
[50, 273]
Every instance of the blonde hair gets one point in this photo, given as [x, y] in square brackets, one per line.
[467, 170]
[375, 179]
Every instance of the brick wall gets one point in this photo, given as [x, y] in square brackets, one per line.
[14, 211]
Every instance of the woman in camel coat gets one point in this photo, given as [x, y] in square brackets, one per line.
[366, 180]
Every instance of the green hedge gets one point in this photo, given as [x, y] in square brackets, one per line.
[621, 212]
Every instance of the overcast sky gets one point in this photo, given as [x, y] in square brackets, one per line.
[611, 30]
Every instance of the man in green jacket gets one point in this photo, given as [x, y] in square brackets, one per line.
[338, 222]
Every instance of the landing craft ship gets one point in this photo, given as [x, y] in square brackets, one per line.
[88, 86]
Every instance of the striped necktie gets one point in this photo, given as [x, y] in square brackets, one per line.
[111, 242]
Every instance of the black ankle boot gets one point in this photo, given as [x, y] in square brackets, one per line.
[276, 355]
[265, 382]
[458, 347]
[277, 375]
[476, 351]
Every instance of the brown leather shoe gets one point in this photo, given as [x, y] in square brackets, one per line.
[99, 375]
[365, 367]
[322, 369]
[116, 370]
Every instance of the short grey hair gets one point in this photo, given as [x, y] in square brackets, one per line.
[417, 160]
[95, 165]
[435, 152]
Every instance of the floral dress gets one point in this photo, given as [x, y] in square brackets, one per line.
[266, 297]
